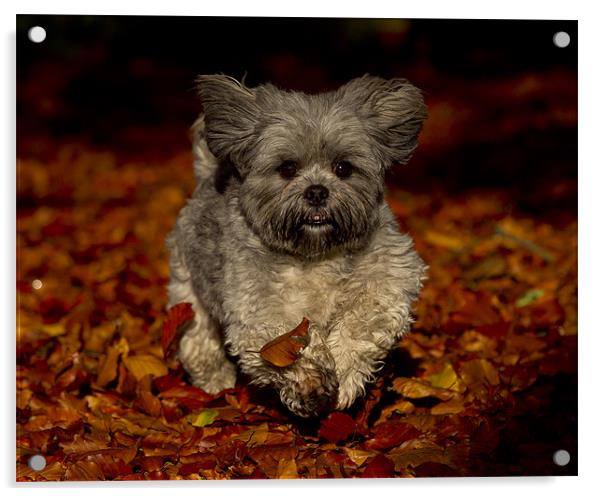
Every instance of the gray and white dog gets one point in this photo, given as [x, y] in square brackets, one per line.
[288, 221]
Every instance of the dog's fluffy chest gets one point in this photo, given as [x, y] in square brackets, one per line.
[287, 290]
[306, 291]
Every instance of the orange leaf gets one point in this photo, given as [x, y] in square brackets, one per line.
[84, 470]
[177, 316]
[284, 350]
[416, 388]
[287, 469]
[107, 371]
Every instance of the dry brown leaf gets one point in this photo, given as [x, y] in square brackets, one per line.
[475, 373]
[284, 350]
[84, 471]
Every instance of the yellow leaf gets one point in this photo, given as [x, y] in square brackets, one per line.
[358, 456]
[287, 469]
[443, 240]
[141, 365]
[54, 330]
[413, 388]
[206, 417]
[446, 379]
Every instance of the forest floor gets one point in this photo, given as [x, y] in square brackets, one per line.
[485, 384]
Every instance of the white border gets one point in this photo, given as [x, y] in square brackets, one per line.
[589, 239]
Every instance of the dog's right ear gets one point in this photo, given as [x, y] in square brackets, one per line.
[231, 115]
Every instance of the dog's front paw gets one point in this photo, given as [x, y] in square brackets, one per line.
[309, 390]
[351, 387]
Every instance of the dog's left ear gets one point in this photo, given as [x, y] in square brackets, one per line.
[392, 110]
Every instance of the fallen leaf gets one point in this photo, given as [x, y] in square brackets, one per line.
[84, 471]
[177, 317]
[337, 427]
[401, 406]
[380, 466]
[414, 457]
[205, 417]
[149, 403]
[287, 469]
[475, 373]
[54, 330]
[529, 297]
[448, 407]
[284, 350]
[446, 379]
[357, 456]
[143, 365]
[108, 369]
[389, 434]
[191, 397]
[415, 389]
[444, 240]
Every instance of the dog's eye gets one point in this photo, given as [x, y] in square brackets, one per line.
[287, 169]
[343, 169]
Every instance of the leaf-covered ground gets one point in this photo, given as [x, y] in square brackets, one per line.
[484, 385]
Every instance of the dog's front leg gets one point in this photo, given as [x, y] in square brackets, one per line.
[307, 387]
[362, 337]
[375, 313]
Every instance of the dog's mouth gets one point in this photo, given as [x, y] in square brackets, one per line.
[317, 219]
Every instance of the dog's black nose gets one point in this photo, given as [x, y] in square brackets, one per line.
[316, 195]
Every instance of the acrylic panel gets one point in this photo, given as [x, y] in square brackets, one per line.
[377, 280]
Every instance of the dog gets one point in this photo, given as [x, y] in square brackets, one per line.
[288, 220]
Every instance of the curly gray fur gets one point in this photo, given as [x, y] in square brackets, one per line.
[247, 255]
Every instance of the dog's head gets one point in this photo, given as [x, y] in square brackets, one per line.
[311, 167]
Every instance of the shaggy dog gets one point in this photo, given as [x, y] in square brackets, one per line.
[288, 220]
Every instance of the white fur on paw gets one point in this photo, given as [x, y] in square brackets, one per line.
[350, 387]
[224, 378]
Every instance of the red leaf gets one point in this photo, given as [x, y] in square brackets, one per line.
[337, 426]
[191, 397]
[379, 466]
[166, 382]
[151, 463]
[389, 434]
[177, 316]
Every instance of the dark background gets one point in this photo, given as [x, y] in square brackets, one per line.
[502, 96]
